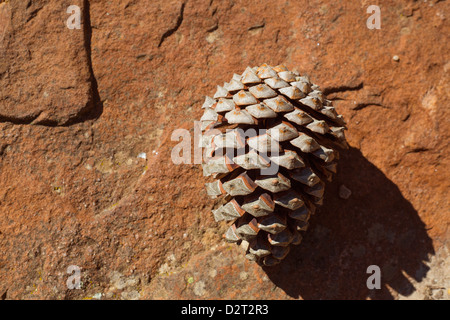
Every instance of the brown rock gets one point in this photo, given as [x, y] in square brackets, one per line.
[45, 73]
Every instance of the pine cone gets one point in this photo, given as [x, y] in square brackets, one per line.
[270, 139]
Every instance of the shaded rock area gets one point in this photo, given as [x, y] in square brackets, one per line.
[86, 177]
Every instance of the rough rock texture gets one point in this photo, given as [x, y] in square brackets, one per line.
[77, 107]
[45, 71]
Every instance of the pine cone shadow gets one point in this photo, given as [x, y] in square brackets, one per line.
[375, 226]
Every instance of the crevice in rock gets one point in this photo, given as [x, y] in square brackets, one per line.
[257, 26]
[15, 120]
[2, 152]
[361, 106]
[93, 108]
[33, 14]
[418, 150]
[171, 31]
[213, 28]
[19, 120]
[330, 90]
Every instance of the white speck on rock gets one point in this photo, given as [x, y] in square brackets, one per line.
[97, 296]
[130, 295]
[142, 155]
[120, 282]
[199, 288]
[213, 273]
[243, 275]
[172, 258]
[164, 268]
